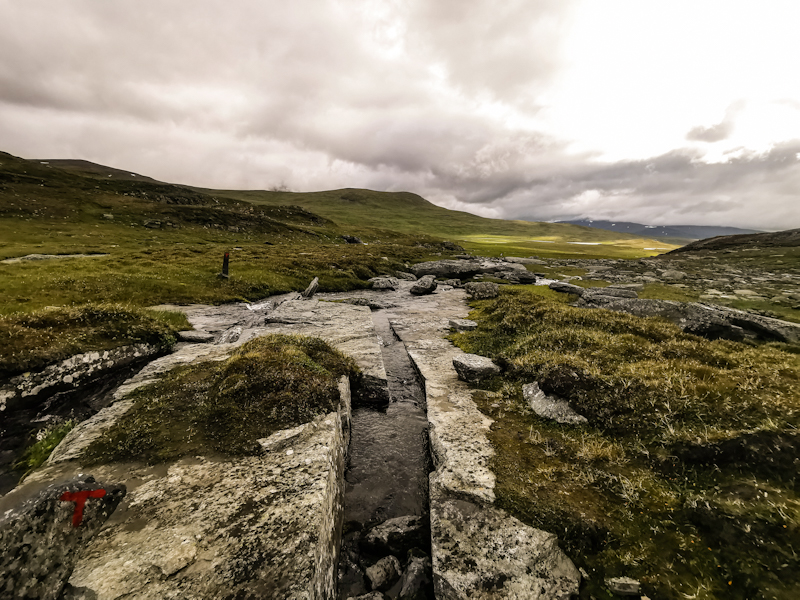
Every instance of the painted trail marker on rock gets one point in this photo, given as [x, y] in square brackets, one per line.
[40, 540]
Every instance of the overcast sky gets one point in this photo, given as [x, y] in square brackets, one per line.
[657, 111]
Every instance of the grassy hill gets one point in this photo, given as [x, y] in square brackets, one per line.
[164, 243]
[409, 213]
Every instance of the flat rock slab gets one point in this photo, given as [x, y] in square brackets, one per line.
[481, 553]
[204, 527]
[196, 337]
[474, 368]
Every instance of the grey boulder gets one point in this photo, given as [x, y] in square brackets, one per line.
[384, 283]
[483, 290]
[474, 368]
[425, 285]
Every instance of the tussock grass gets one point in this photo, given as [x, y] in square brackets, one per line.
[30, 341]
[685, 476]
[270, 383]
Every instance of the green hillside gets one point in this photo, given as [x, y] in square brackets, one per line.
[409, 213]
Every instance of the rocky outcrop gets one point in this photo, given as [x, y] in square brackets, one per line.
[424, 285]
[214, 527]
[41, 540]
[709, 321]
[69, 374]
[459, 269]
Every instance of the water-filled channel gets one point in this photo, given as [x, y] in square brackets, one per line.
[388, 464]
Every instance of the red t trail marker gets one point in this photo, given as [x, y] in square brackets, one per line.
[79, 498]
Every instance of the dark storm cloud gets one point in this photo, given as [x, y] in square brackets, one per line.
[314, 94]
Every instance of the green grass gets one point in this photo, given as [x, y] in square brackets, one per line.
[270, 383]
[35, 455]
[684, 477]
[30, 341]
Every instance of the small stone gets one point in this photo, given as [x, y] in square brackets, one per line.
[416, 579]
[405, 276]
[624, 586]
[384, 573]
[549, 407]
[463, 324]
[474, 368]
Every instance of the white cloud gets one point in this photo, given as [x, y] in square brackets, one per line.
[534, 108]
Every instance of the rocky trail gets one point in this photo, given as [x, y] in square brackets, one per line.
[390, 496]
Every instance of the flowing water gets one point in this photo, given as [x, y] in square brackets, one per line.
[389, 460]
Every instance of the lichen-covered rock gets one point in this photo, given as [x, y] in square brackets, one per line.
[549, 407]
[483, 290]
[405, 276]
[481, 552]
[474, 368]
[384, 573]
[424, 285]
[384, 283]
[69, 374]
[230, 336]
[478, 551]
[41, 540]
[397, 536]
[463, 324]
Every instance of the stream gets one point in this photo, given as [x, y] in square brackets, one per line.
[388, 465]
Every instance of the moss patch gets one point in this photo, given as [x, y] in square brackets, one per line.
[685, 477]
[270, 383]
[30, 341]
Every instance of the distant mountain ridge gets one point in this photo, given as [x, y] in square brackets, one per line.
[787, 239]
[692, 232]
